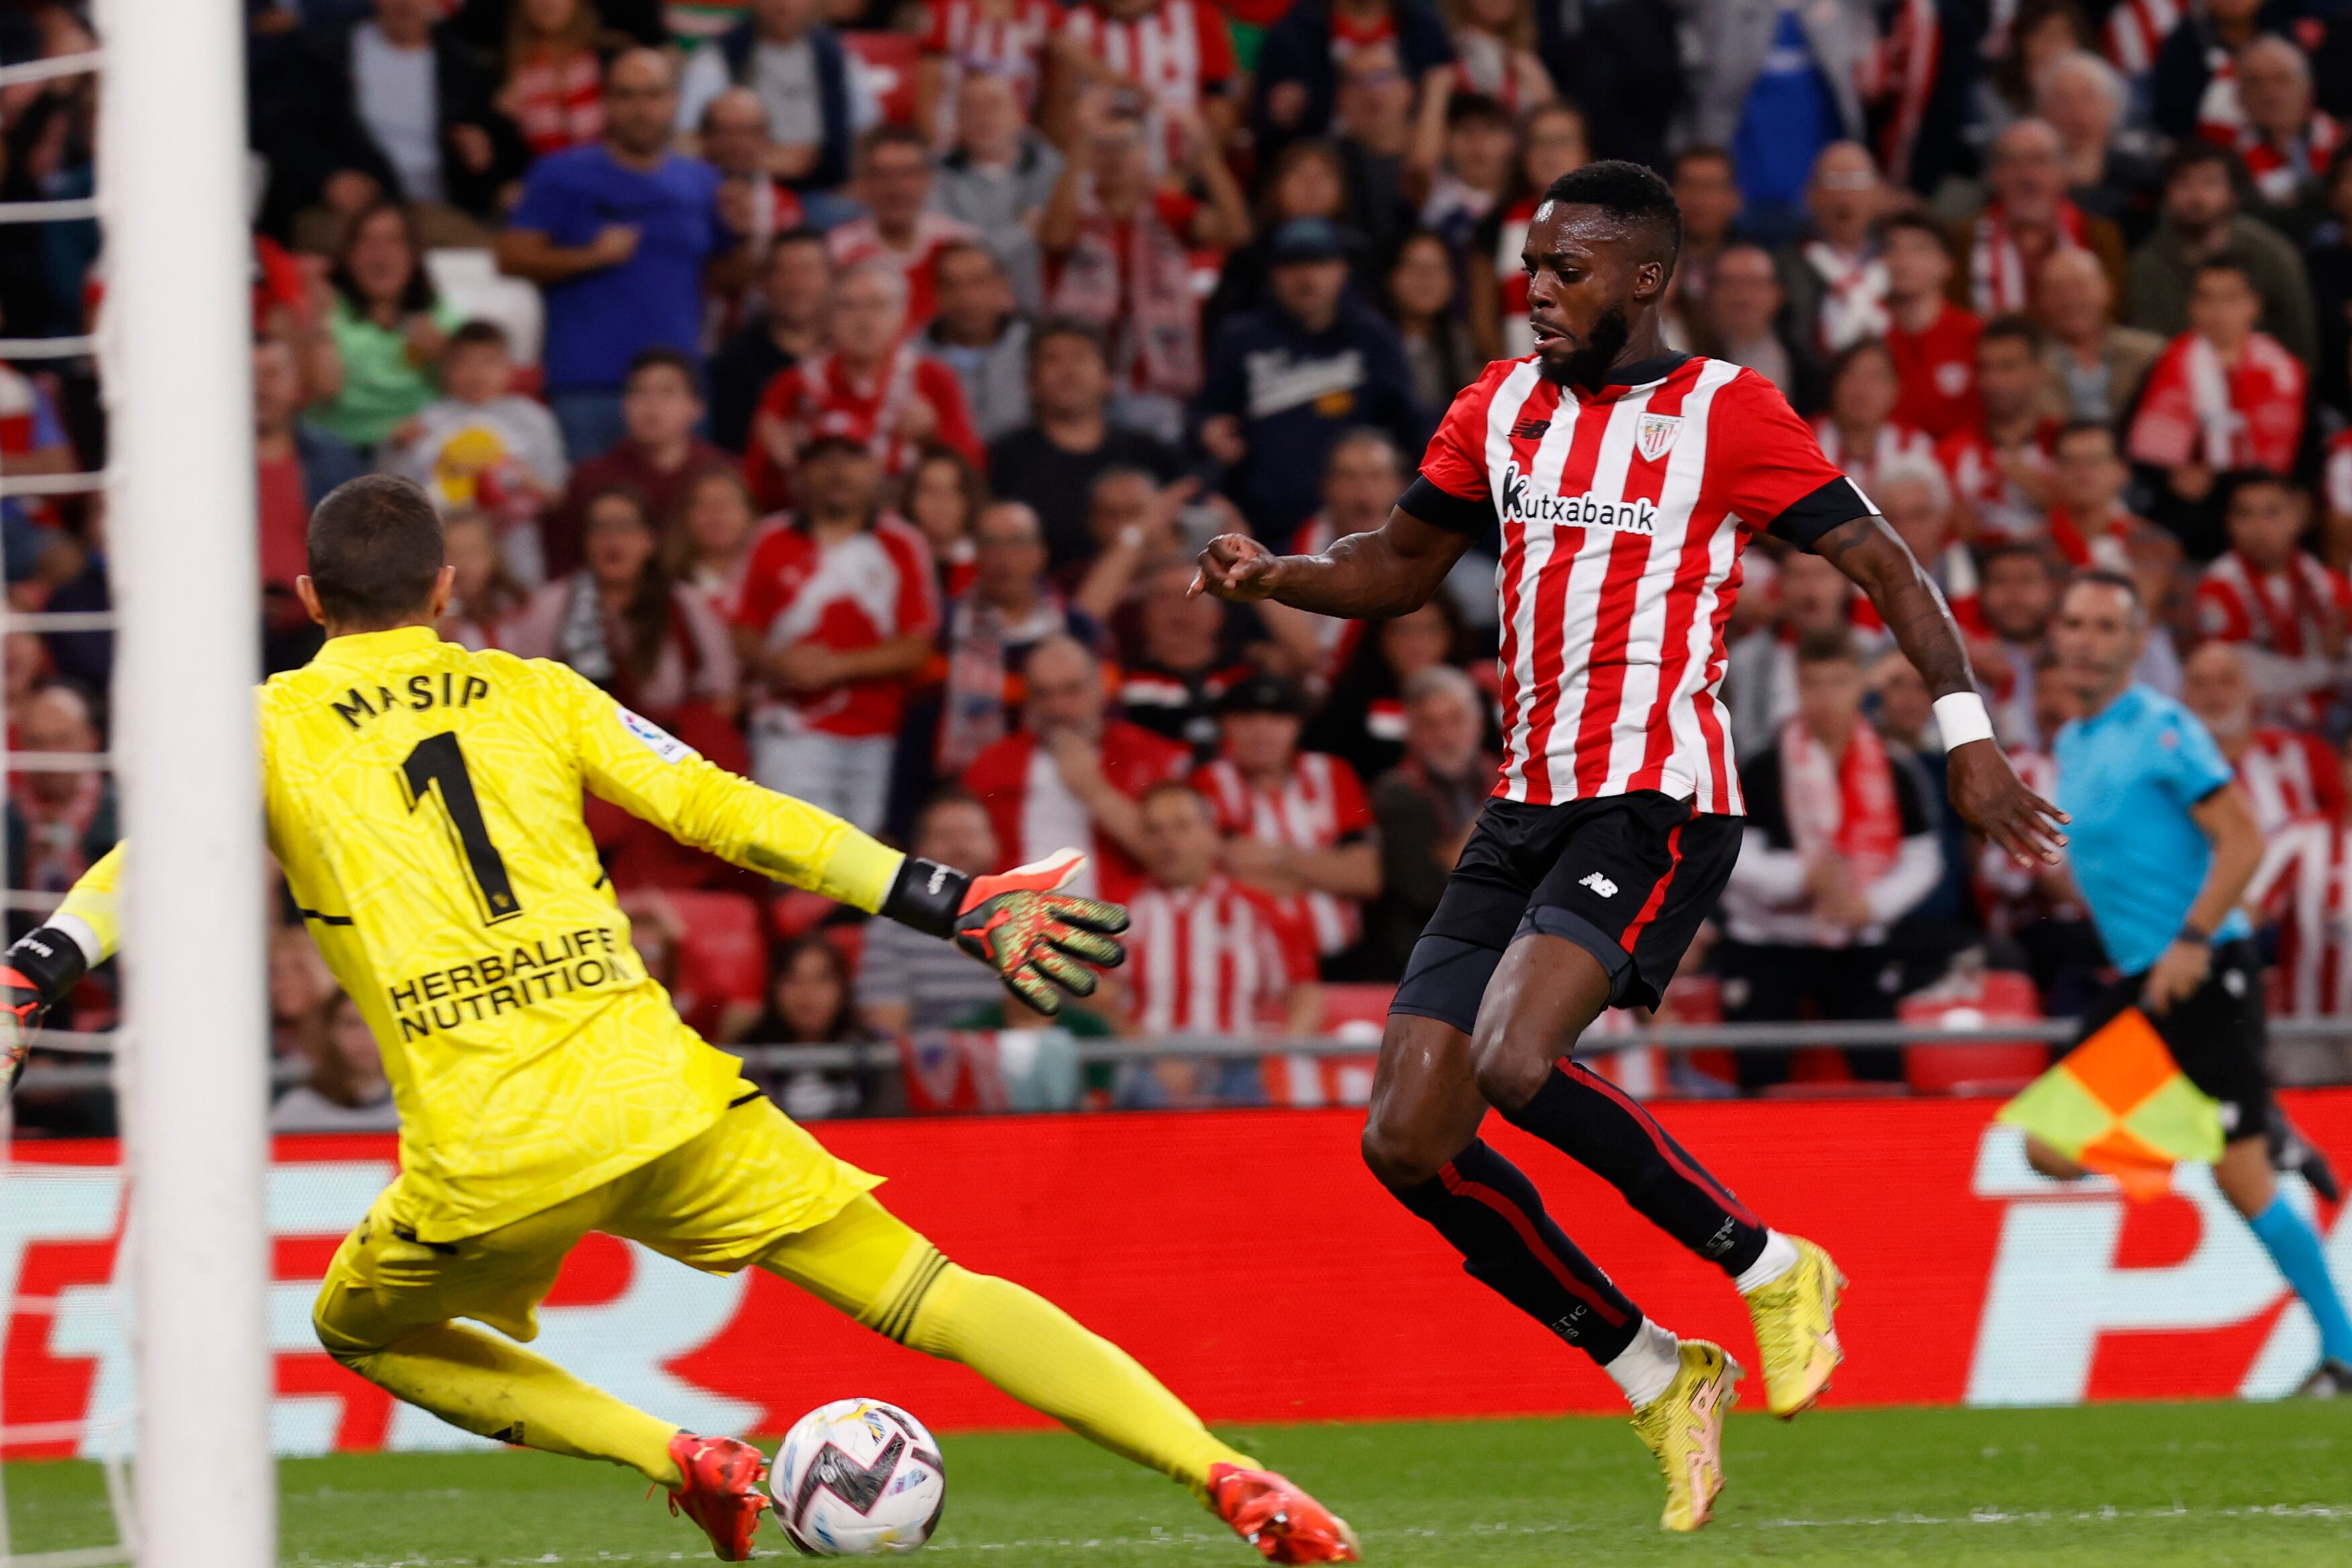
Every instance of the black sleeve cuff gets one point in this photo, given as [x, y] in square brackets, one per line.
[927, 896]
[1808, 518]
[1443, 509]
[50, 961]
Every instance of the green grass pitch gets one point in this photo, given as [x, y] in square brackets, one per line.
[2139, 1485]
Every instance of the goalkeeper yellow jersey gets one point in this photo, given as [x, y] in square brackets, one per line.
[423, 802]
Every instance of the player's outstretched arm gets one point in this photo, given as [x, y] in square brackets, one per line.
[1391, 571]
[48, 961]
[1984, 788]
[1020, 923]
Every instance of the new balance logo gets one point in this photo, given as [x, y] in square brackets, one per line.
[1530, 430]
[1601, 887]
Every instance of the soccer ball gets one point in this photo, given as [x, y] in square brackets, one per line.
[857, 1477]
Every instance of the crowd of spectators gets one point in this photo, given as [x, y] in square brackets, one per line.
[846, 385]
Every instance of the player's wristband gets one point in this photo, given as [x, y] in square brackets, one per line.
[48, 961]
[927, 896]
[1961, 718]
[2194, 934]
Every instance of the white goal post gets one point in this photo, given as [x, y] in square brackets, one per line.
[174, 344]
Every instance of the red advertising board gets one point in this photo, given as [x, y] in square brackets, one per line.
[1249, 1259]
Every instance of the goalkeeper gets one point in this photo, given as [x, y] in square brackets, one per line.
[425, 803]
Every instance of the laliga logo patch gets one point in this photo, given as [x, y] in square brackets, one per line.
[654, 738]
[1655, 436]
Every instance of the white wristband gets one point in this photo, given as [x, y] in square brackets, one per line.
[1961, 718]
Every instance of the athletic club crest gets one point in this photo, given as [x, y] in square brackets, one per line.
[1656, 435]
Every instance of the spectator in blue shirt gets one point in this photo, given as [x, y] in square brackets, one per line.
[619, 234]
[1285, 381]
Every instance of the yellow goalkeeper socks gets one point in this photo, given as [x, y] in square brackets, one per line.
[495, 1388]
[1037, 1353]
[868, 1263]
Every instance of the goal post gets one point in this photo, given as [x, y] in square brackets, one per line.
[176, 365]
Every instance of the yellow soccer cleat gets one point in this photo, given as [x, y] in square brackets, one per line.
[1796, 1330]
[1684, 1428]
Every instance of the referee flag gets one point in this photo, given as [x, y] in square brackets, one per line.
[2118, 1104]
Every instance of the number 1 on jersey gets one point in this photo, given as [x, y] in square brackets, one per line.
[438, 759]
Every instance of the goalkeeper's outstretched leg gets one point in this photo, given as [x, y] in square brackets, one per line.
[873, 1265]
[756, 1189]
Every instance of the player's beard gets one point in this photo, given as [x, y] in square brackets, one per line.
[1588, 364]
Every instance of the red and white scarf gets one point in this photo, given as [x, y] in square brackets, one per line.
[1896, 77]
[2279, 171]
[2104, 546]
[1843, 806]
[1853, 295]
[1143, 300]
[2195, 408]
[1998, 281]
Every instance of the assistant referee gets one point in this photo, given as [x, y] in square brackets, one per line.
[2164, 844]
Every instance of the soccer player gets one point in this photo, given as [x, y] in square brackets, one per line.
[423, 802]
[2165, 846]
[1627, 479]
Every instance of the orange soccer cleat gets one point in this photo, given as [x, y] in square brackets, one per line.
[720, 1490]
[1282, 1521]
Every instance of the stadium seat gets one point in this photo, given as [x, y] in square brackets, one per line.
[721, 959]
[795, 912]
[471, 284]
[1357, 1003]
[1997, 1067]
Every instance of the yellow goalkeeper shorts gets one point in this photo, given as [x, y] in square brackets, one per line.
[716, 1202]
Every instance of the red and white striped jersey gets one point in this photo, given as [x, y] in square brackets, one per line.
[1177, 52]
[1891, 443]
[2289, 775]
[1008, 37]
[1623, 513]
[1205, 960]
[1321, 805]
[2305, 882]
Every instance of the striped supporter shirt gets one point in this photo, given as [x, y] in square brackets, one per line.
[1213, 959]
[1320, 806]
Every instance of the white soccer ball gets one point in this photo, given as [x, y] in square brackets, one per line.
[857, 1478]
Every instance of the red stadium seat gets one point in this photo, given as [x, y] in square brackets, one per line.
[721, 959]
[795, 913]
[1357, 1003]
[1997, 1067]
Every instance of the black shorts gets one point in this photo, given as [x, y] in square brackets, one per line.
[1628, 878]
[2216, 1034]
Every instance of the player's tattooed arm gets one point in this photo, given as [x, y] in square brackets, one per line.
[1391, 571]
[1984, 788]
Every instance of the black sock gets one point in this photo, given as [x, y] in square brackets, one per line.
[1495, 1219]
[1605, 1129]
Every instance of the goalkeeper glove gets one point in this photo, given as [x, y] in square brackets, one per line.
[43, 965]
[1038, 937]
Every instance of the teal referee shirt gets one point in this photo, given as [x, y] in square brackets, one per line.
[2128, 776]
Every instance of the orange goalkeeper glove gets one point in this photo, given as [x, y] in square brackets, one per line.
[41, 966]
[1020, 923]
